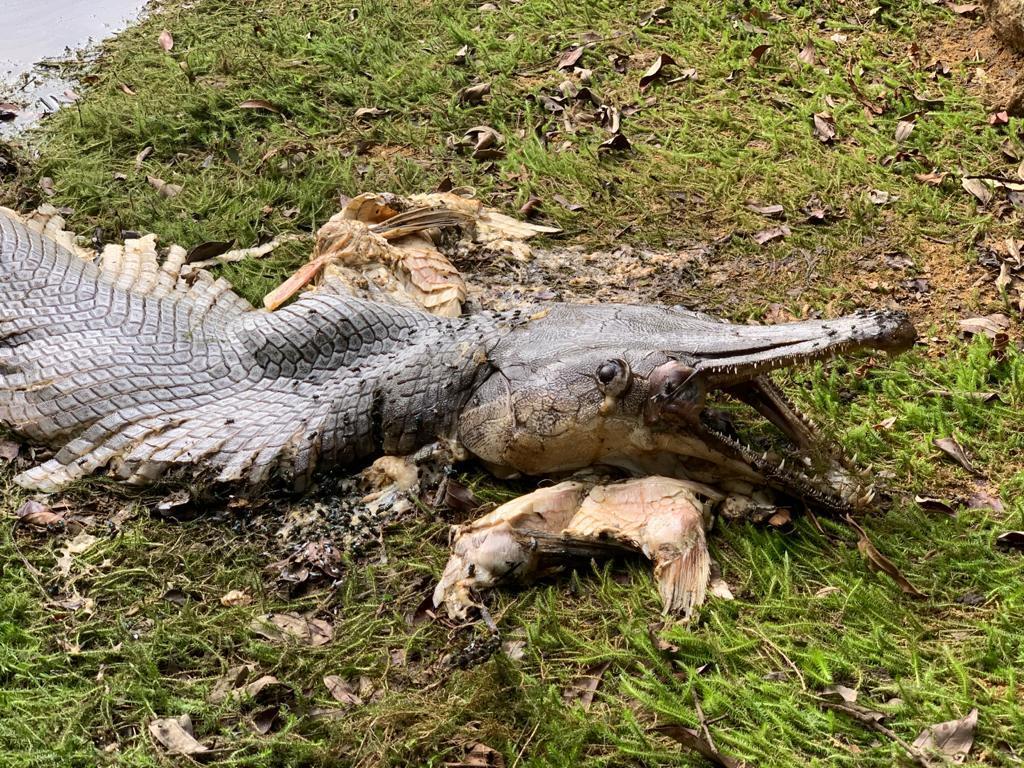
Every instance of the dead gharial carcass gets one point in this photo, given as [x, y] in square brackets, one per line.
[122, 365]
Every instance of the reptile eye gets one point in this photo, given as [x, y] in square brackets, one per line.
[614, 377]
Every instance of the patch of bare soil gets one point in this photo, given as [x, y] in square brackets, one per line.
[993, 72]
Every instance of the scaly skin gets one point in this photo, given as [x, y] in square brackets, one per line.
[153, 378]
[128, 366]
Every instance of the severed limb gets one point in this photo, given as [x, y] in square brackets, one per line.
[660, 517]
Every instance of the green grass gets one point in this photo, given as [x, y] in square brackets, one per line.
[79, 688]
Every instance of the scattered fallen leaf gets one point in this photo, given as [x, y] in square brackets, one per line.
[964, 9]
[955, 451]
[903, 130]
[569, 206]
[208, 250]
[659, 643]
[699, 743]
[880, 197]
[772, 233]
[166, 41]
[1011, 540]
[174, 734]
[9, 111]
[266, 720]
[954, 738]
[989, 325]
[259, 104]
[980, 499]
[480, 756]
[824, 127]
[978, 188]
[370, 113]
[935, 505]
[617, 143]
[840, 693]
[780, 519]
[485, 141]
[758, 53]
[771, 211]
[880, 561]
[235, 597]
[808, 55]
[462, 55]
[36, 513]
[280, 626]
[570, 58]
[143, 153]
[474, 94]
[229, 682]
[999, 118]
[126, 89]
[46, 186]
[342, 690]
[582, 689]
[9, 450]
[655, 70]
[163, 188]
[934, 179]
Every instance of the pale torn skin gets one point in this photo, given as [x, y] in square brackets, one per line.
[662, 518]
[359, 250]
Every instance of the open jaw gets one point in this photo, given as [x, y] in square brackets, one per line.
[738, 367]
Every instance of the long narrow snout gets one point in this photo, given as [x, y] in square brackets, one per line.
[735, 352]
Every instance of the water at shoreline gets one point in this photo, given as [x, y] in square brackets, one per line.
[32, 32]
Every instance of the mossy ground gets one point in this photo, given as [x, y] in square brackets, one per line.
[78, 688]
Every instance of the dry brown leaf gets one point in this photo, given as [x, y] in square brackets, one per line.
[36, 513]
[617, 143]
[699, 743]
[771, 210]
[583, 688]
[570, 58]
[166, 41]
[970, 10]
[143, 153]
[655, 70]
[989, 325]
[773, 233]
[824, 127]
[953, 738]
[980, 499]
[281, 626]
[840, 693]
[163, 188]
[259, 104]
[1011, 540]
[174, 734]
[978, 188]
[955, 451]
[935, 505]
[903, 130]
[808, 55]
[235, 597]
[229, 682]
[480, 756]
[758, 53]
[474, 94]
[880, 561]
[370, 113]
[9, 450]
[934, 179]
[1003, 280]
[342, 690]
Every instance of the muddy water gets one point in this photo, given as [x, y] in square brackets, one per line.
[34, 31]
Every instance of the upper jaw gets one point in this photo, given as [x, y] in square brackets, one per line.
[745, 352]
